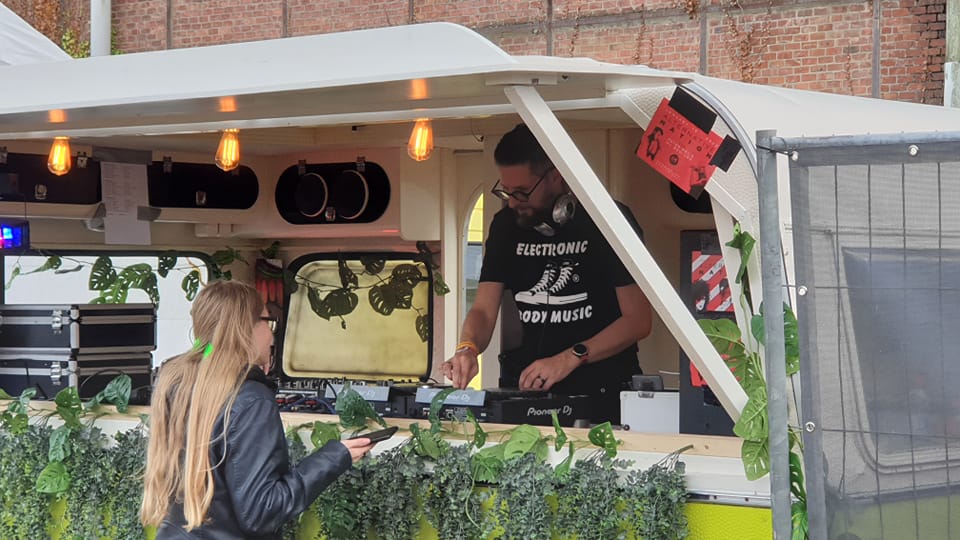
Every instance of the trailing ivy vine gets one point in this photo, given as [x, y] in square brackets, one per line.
[385, 293]
[746, 364]
[113, 284]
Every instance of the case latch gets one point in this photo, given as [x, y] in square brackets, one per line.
[56, 373]
[59, 370]
[56, 322]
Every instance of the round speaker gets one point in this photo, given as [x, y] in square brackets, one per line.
[350, 194]
[311, 194]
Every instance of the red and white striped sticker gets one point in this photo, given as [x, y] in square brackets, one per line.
[711, 290]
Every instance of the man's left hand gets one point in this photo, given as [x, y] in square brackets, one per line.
[546, 372]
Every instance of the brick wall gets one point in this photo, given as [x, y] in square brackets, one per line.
[816, 45]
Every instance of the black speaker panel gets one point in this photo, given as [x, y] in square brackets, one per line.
[332, 193]
[26, 177]
[201, 185]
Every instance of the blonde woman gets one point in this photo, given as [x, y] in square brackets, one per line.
[217, 464]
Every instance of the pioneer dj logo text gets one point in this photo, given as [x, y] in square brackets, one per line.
[566, 410]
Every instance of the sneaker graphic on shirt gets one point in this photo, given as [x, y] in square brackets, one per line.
[549, 289]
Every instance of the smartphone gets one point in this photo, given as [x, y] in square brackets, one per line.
[377, 436]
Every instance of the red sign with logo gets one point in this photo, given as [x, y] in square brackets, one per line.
[679, 150]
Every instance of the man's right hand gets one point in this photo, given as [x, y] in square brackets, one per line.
[461, 368]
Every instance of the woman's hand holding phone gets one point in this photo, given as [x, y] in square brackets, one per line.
[358, 448]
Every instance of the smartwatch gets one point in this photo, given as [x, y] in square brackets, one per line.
[581, 352]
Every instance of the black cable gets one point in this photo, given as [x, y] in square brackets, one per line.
[326, 382]
[97, 374]
[26, 369]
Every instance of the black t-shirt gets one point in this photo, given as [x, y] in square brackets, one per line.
[565, 290]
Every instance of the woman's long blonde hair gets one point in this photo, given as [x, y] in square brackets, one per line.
[192, 391]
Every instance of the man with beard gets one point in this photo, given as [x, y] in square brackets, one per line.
[581, 311]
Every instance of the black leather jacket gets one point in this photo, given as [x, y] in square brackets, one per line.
[256, 490]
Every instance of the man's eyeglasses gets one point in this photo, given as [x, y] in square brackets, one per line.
[271, 322]
[522, 196]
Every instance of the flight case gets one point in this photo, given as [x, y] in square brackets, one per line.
[80, 328]
[51, 346]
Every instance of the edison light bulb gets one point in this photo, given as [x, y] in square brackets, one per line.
[228, 153]
[421, 140]
[59, 161]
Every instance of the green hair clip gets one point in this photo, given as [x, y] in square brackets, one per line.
[207, 350]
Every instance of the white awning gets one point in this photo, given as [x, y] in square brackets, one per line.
[383, 74]
[21, 43]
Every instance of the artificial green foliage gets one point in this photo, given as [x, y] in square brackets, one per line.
[427, 443]
[75, 463]
[561, 438]
[450, 502]
[354, 411]
[390, 501]
[323, 432]
[586, 506]
[53, 262]
[23, 510]
[743, 242]
[524, 440]
[112, 476]
[15, 418]
[124, 490]
[747, 366]
[602, 436]
[384, 496]
[520, 506]
[436, 404]
[791, 337]
[425, 256]
[654, 500]
[479, 435]
[296, 451]
[487, 464]
[385, 293]
[191, 284]
[224, 257]
[113, 285]
[337, 505]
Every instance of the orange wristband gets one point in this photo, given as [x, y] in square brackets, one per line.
[464, 345]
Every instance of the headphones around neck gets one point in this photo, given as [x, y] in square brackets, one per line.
[564, 208]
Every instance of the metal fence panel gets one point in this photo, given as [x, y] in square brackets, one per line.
[876, 229]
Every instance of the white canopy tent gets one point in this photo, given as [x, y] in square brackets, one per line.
[21, 43]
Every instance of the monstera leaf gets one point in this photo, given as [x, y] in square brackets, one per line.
[342, 301]
[166, 262]
[348, 278]
[354, 410]
[102, 275]
[602, 436]
[752, 424]
[423, 327]
[372, 264]
[744, 242]
[382, 299]
[408, 274]
[140, 276]
[318, 305]
[756, 458]
[191, 284]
